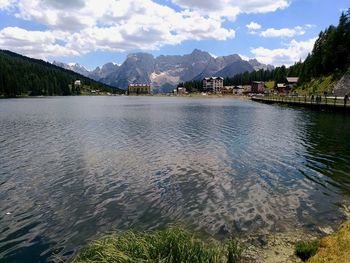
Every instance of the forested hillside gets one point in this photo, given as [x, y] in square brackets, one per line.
[21, 76]
[330, 56]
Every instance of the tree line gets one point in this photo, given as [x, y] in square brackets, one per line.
[20, 76]
[330, 55]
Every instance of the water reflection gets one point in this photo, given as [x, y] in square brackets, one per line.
[72, 168]
[328, 152]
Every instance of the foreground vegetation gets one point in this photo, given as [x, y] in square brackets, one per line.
[306, 249]
[175, 244]
[334, 248]
[167, 246]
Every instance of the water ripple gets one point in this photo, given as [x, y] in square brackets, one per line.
[73, 168]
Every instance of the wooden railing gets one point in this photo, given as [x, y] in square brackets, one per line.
[319, 101]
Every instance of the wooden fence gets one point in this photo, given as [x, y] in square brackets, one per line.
[316, 102]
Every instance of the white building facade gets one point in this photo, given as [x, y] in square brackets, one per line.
[213, 84]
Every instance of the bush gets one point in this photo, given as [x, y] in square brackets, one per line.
[167, 246]
[306, 249]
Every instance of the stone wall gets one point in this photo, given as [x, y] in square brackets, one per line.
[343, 86]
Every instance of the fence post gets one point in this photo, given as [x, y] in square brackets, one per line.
[346, 97]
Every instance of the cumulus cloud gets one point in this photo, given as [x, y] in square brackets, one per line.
[5, 4]
[82, 26]
[253, 26]
[231, 8]
[37, 44]
[284, 32]
[110, 25]
[294, 51]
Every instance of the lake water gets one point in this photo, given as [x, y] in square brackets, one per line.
[72, 168]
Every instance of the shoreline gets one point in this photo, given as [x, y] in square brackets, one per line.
[193, 95]
[271, 247]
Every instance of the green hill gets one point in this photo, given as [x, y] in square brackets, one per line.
[23, 76]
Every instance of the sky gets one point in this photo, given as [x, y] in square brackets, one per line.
[94, 32]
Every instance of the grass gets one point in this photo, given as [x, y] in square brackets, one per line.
[270, 85]
[334, 248]
[172, 245]
[317, 86]
[306, 249]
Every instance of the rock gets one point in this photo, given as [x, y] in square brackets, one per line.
[342, 88]
[223, 231]
[326, 230]
[170, 70]
[262, 240]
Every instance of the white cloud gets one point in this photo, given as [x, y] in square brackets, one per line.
[75, 27]
[232, 8]
[284, 32]
[37, 44]
[294, 51]
[253, 26]
[113, 25]
[4, 4]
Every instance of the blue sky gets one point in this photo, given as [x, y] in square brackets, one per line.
[94, 32]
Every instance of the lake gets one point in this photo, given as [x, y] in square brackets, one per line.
[72, 168]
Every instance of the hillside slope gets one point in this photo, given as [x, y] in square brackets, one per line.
[21, 76]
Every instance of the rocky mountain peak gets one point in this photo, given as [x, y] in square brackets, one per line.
[257, 65]
[73, 66]
[168, 70]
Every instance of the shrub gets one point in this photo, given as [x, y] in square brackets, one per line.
[306, 249]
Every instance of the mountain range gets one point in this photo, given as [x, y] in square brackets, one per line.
[165, 72]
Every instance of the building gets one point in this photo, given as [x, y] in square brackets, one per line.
[93, 91]
[76, 87]
[258, 87]
[213, 84]
[139, 89]
[238, 90]
[181, 90]
[77, 83]
[247, 89]
[227, 90]
[292, 82]
[282, 88]
[285, 88]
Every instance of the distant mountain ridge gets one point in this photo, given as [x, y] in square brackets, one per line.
[167, 71]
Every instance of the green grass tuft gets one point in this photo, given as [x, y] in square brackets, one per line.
[306, 249]
[173, 245]
[235, 250]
